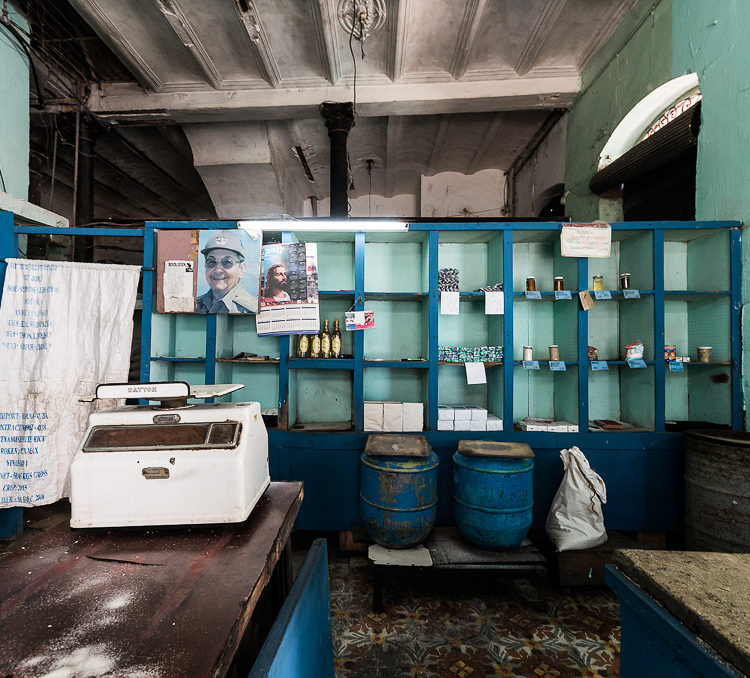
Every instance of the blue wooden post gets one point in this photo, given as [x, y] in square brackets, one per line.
[508, 330]
[583, 351]
[358, 376]
[735, 254]
[11, 519]
[433, 301]
[659, 364]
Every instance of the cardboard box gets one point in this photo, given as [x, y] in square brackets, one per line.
[445, 413]
[558, 427]
[373, 415]
[393, 416]
[413, 419]
[461, 413]
[478, 425]
[478, 414]
[494, 423]
[462, 425]
[445, 425]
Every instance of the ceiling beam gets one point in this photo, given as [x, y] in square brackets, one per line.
[185, 33]
[467, 36]
[536, 39]
[372, 100]
[489, 145]
[397, 25]
[437, 145]
[324, 21]
[110, 34]
[259, 42]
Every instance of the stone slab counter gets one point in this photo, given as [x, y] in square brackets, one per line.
[707, 592]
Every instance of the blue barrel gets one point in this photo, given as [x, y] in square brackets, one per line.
[493, 499]
[398, 498]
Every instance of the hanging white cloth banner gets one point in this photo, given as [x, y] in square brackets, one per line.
[64, 328]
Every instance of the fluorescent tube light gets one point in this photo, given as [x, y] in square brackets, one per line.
[323, 225]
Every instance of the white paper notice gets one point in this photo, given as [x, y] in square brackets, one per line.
[178, 287]
[494, 303]
[449, 303]
[586, 240]
[475, 373]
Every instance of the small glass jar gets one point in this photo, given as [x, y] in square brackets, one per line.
[528, 353]
[554, 352]
[558, 283]
[704, 354]
[598, 283]
[624, 281]
[530, 284]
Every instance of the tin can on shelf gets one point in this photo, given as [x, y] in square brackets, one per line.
[530, 284]
[624, 281]
[528, 353]
[558, 283]
[598, 283]
[554, 352]
[704, 354]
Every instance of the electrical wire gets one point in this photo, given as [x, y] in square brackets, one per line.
[2, 178]
[354, 60]
[11, 28]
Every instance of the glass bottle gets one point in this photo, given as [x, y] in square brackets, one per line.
[558, 286]
[303, 345]
[336, 340]
[624, 281]
[314, 346]
[530, 284]
[598, 283]
[325, 341]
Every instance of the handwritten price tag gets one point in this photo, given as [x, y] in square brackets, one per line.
[531, 364]
[636, 363]
[602, 294]
[597, 365]
[562, 294]
[557, 366]
[674, 366]
[534, 294]
[631, 294]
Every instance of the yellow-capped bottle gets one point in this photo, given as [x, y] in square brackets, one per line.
[325, 341]
[336, 340]
[314, 346]
[303, 345]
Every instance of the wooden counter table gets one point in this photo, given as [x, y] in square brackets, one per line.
[683, 613]
[145, 602]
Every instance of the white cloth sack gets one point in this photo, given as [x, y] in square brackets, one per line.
[66, 327]
[575, 518]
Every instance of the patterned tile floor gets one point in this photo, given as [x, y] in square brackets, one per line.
[467, 626]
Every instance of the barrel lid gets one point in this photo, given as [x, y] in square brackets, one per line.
[736, 438]
[397, 445]
[493, 448]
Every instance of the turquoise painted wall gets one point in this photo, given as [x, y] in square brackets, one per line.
[710, 39]
[14, 112]
[633, 62]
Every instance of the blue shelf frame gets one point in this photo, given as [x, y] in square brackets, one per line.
[630, 462]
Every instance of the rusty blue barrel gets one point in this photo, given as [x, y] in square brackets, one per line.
[493, 492]
[398, 489]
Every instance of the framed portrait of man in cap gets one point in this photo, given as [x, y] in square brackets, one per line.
[228, 271]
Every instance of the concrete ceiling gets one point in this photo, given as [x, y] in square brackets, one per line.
[439, 86]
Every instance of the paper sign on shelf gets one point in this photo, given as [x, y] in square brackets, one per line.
[449, 303]
[359, 320]
[586, 240]
[475, 373]
[494, 303]
[631, 294]
[587, 303]
[178, 286]
[602, 294]
[562, 294]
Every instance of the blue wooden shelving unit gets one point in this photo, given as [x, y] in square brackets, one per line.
[690, 275]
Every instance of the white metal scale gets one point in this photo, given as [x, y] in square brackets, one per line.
[170, 463]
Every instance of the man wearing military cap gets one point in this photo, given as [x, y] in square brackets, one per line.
[225, 266]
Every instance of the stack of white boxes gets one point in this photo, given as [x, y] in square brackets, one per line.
[390, 415]
[463, 418]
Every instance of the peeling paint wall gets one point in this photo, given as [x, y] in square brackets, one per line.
[451, 194]
[635, 60]
[710, 38]
[14, 112]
